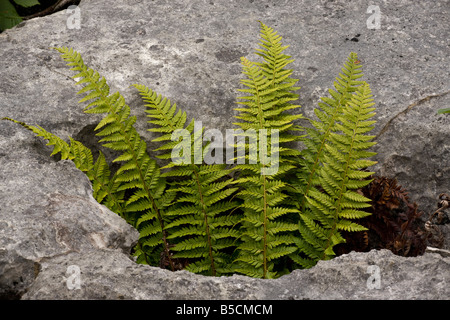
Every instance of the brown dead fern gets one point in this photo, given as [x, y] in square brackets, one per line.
[394, 222]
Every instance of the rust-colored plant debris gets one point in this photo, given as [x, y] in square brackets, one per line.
[394, 222]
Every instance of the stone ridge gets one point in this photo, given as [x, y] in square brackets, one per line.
[352, 276]
[48, 211]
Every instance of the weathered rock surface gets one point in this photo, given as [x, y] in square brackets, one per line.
[189, 52]
[108, 274]
[48, 211]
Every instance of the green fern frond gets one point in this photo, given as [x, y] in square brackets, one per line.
[329, 113]
[268, 224]
[138, 172]
[340, 175]
[59, 145]
[104, 187]
[203, 191]
[165, 117]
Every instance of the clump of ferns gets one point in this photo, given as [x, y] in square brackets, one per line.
[285, 210]
[201, 224]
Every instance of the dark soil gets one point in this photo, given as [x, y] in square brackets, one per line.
[44, 4]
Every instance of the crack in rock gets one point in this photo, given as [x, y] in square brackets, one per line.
[407, 109]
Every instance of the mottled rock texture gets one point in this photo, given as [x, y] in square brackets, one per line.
[108, 274]
[48, 211]
[189, 51]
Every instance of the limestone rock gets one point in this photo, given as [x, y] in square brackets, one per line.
[108, 274]
[47, 211]
[189, 52]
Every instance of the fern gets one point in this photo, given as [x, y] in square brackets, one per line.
[267, 232]
[285, 208]
[330, 109]
[98, 173]
[138, 173]
[201, 228]
[331, 200]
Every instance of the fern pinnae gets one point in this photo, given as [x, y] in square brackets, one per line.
[138, 171]
[266, 230]
[330, 110]
[104, 189]
[316, 154]
[203, 192]
[341, 173]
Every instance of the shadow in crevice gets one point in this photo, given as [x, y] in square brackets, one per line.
[88, 138]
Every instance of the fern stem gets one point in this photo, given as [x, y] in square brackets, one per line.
[261, 126]
[265, 226]
[208, 235]
[154, 205]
